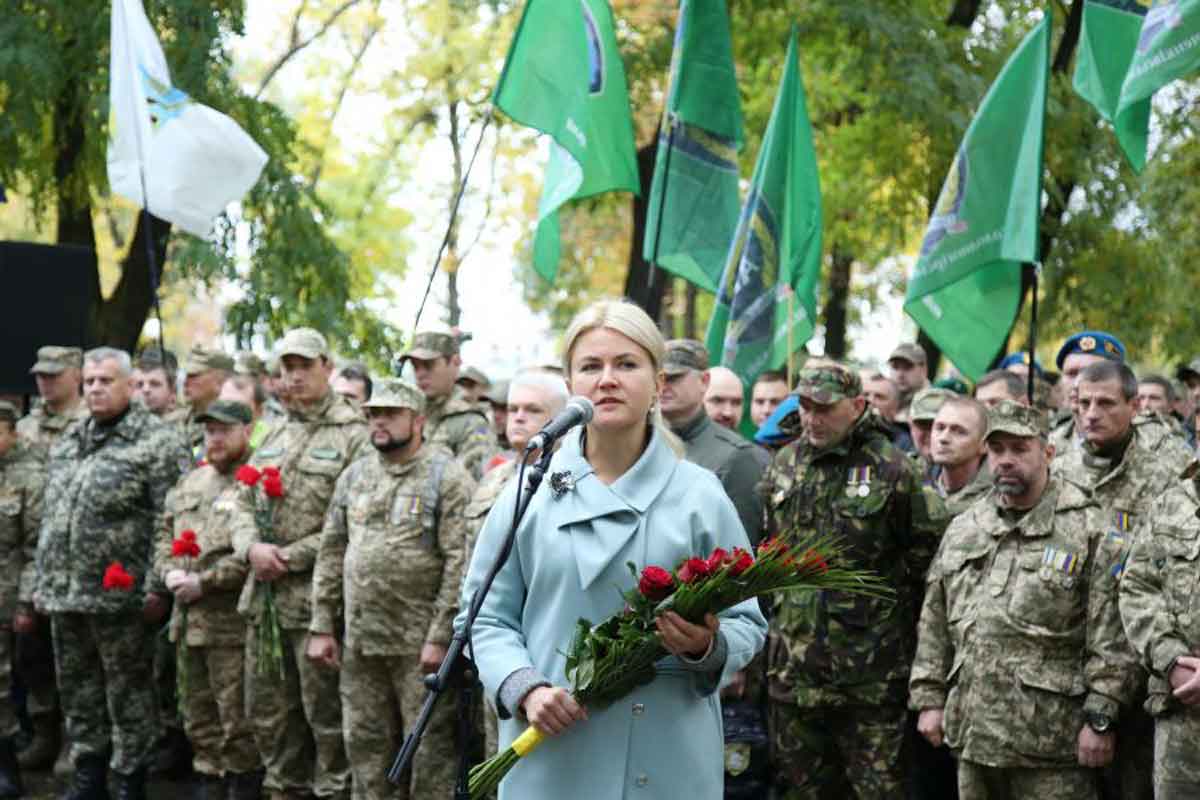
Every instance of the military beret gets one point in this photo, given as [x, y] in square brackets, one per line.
[927, 402]
[1017, 419]
[52, 360]
[1093, 343]
[227, 412]
[430, 345]
[201, 359]
[1013, 359]
[684, 355]
[303, 342]
[828, 384]
[911, 352]
[396, 393]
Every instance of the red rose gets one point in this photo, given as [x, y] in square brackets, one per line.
[718, 559]
[272, 484]
[656, 583]
[115, 577]
[694, 569]
[812, 561]
[742, 561]
[247, 474]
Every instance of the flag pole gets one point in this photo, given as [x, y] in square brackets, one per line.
[652, 273]
[462, 188]
[1033, 323]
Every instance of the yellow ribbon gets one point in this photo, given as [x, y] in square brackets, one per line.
[527, 742]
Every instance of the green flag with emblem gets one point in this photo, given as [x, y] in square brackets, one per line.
[1107, 43]
[965, 288]
[693, 207]
[564, 77]
[767, 295]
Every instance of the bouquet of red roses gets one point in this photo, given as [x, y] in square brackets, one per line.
[606, 662]
[270, 634]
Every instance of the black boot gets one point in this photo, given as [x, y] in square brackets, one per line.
[89, 781]
[173, 759]
[244, 785]
[44, 746]
[131, 786]
[10, 771]
[207, 787]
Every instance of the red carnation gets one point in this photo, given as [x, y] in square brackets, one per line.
[272, 484]
[656, 583]
[115, 577]
[742, 561]
[247, 474]
[185, 546]
[188, 536]
[694, 569]
[269, 471]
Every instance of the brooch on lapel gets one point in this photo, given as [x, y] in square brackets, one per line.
[561, 483]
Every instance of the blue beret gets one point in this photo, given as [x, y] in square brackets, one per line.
[1094, 343]
[1021, 358]
[770, 433]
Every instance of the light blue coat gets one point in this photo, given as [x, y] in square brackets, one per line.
[664, 741]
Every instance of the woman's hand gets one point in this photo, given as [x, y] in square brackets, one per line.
[552, 710]
[683, 639]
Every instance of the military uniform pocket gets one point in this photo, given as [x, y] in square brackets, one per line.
[1050, 709]
[1046, 588]
[1180, 548]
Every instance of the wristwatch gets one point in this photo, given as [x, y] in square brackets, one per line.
[1100, 723]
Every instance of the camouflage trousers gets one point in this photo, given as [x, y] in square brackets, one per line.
[9, 726]
[1176, 755]
[106, 686]
[979, 782]
[381, 698]
[837, 751]
[297, 721]
[214, 711]
[164, 680]
[35, 667]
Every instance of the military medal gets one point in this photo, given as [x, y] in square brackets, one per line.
[1061, 561]
[858, 482]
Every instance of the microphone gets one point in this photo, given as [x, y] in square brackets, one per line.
[578, 411]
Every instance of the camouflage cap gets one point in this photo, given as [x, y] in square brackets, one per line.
[475, 376]
[1189, 371]
[9, 412]
[927, 402]
[396, 393]
[202, 359]
[228, 412]
[303, 342]
[911, 352]
[828, 384]
[429, 345]
[1016, 419]
[247, 363]
[52, 359]
[497, 394]
[683, 355]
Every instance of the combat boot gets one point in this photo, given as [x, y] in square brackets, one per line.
[41, 752]
[10, 771]
[89, 782]
[173, 760]
[131, 786]
[244, 785]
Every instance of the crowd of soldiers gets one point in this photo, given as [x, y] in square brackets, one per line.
[265, 572]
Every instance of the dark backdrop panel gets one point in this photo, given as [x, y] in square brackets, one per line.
[46, 292]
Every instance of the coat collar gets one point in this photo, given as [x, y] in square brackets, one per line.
[604, 518]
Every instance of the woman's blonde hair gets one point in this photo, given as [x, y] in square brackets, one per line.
[632, 322]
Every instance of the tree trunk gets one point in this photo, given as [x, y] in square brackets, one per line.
[453, 309]
[841, 263]
[638, 285]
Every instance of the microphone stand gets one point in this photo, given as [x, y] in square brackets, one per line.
[457, 665]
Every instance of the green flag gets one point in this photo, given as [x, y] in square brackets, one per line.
[1107, 43]
[768, 287]
[1168, 48]
[693, 207]
[966, 285]
[564, 77]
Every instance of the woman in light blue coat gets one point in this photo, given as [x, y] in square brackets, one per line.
[629, 497]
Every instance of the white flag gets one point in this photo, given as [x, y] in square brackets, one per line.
[194, 161]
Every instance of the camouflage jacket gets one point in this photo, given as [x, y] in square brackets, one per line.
[1154, 434]
[22, 480]
[311, 450]
[203, 502]
[104, 502]
[484, 497]
[391, 557]
[1020, 633]
[1159, 603]
[40, 429]
[832, 648]
[463, 428]
[192, 432]
[959, 501]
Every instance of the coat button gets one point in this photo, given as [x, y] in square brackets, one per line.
[638, 710]
[642, 780]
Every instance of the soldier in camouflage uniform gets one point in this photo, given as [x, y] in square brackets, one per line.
[21, 483]
[57, 372]
[390, 565]
[921, 414]
[107, 484]
[958, 453]
[1158, 602]
[205, 615]
[450, 419]
[1021, 665]
[297, 717]
[1077, 352]
[838, 663]
[204, 372]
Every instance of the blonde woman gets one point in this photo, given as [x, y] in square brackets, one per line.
[629, 497]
